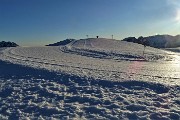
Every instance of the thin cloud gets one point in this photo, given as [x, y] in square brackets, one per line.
[176, 5]
[178, 16]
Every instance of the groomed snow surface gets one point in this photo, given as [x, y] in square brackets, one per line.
[89, 79]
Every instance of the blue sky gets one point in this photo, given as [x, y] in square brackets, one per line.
[39, 22]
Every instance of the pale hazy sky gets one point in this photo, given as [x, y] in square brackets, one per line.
[39, 22]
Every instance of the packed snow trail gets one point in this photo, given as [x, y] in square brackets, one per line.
[101, 59]
[28, 93]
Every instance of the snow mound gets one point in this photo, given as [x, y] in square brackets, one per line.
[114, 49]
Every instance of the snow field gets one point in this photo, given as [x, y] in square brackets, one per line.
[89, 79]
[39, 94]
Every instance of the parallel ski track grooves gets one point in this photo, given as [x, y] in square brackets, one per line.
[99, 54]
[35, 58]
[85, 68]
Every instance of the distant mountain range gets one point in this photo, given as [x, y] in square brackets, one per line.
[8, 44]
[157, 41]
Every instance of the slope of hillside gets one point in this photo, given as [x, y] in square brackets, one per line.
[89, 79]
[177, 49]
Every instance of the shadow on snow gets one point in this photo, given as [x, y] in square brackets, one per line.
[85, 91]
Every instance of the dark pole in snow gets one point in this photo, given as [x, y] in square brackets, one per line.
[144, 49]
[144, 42]
[112, 36]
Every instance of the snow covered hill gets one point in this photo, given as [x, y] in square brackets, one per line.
[101, 59]
[89, 78]
[157, 41]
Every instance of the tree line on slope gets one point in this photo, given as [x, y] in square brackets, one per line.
[64, 42]
[157, 41]
[8, 44]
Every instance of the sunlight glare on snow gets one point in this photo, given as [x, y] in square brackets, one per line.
[135, 67]
[176, 61]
